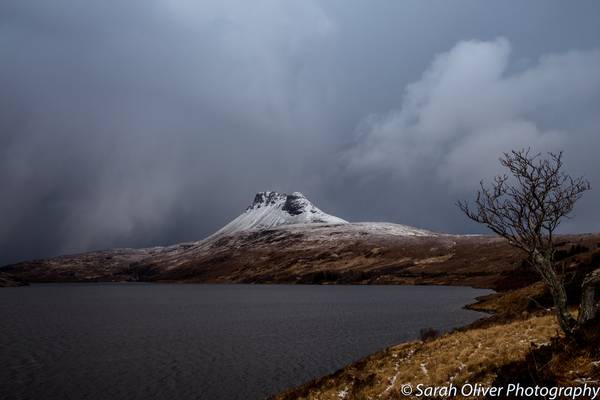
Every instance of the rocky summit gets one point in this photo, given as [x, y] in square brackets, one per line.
[270, 209]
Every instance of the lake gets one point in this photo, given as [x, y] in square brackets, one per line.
[196, 341]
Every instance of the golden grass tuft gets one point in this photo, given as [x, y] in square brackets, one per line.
[471, 356]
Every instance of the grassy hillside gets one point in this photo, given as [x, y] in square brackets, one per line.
[519, 343]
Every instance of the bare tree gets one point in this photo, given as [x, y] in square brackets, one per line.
[526, 208]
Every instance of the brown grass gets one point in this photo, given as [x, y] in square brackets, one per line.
[473, 355]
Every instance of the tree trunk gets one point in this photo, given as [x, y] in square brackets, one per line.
[559, 294]
[590, 306]
[555, 285]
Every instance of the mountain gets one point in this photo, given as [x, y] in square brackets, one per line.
[283, 238]
[271, 209]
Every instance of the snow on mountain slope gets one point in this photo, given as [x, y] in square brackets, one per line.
[387, 228]
[271, 209]
[358, 230]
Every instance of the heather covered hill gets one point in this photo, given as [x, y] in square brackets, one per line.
[283, 238]
[373, 253]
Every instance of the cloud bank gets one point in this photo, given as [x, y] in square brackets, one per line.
[471, 105]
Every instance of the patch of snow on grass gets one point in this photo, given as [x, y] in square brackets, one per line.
[342, 394]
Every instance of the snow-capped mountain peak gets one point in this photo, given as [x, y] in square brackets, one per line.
[270, 209]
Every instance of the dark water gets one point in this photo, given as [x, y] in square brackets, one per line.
[145, 341]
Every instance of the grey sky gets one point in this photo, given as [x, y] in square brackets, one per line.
[146, 122]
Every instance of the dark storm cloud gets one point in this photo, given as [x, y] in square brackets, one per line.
[129, 122]
[134, 123]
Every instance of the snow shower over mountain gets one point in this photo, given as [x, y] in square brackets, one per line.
[279, 238]
[270, 209]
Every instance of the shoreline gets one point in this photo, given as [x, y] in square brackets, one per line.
[517, 306]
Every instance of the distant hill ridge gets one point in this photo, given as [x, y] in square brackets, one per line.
[285, 238]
